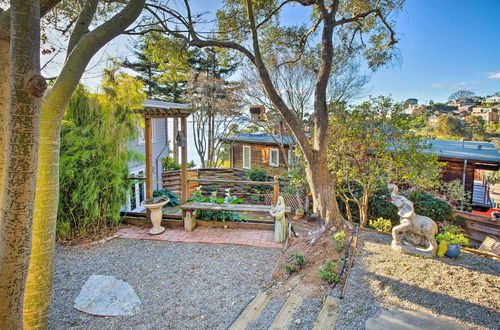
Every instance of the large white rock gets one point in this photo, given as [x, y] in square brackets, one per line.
[107, 296]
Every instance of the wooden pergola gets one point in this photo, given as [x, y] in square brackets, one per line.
[160, 109]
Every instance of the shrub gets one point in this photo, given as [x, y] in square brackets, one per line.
[93, 182]
[430, 206]
[217, 215]
[379, 206]
[299, 259]
[169, 164]
[173, 198]
[381, 224]
[339, 239]
[290, 269]
[327, 273]
[257, 174]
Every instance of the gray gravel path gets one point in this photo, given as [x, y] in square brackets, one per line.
[267, 316]
[466, 289]
[181, 285]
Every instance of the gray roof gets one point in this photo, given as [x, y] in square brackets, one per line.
[262, 138]
[471, 150]
[162, 109]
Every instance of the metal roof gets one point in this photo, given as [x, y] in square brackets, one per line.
[163, 109]
[262, 138]
[471, 150]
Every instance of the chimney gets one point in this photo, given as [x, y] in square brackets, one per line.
[257, 113]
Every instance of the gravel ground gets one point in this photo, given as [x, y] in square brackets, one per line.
[307, 313]
[266, 317]
[466, 289]
[181, 285]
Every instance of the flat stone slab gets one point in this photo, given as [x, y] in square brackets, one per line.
[409, 320]
[104, 295]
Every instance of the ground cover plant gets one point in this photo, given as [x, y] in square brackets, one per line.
[297, 261]
[210, 215]
[381, 224]
[328, 273]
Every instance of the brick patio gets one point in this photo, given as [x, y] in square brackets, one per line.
[259, 238]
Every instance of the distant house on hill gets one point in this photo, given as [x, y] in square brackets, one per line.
[489, 115]
[462, 102]
[260, 150]
[492, 99]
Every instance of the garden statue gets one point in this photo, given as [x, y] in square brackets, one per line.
[416, 233]
[280, 228]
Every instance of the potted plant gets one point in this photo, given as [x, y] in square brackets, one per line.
[299, 212]
[450, 240]
[213, 190]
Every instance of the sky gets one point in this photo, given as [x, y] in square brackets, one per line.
[445, 45]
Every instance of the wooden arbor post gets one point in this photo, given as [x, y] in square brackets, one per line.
[184, 182]
[149, 156]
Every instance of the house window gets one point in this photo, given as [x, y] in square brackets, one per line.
[247, 157]
[274, 157]
[292, 159]
[138, 193]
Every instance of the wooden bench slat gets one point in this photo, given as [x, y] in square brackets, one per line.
[228, 207]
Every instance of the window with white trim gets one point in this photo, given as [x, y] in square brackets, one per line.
[274, 157]
[247, 157]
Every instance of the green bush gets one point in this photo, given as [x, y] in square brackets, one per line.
[93, 181]
[173, 198]
[217, 215]
[430, 206]
[291, 269]
[327, 273]
[169, 164]
[299, 259]
[381, 224]
[380, 206]
[257, 174]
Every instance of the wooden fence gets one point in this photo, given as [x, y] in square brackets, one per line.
[480, 226]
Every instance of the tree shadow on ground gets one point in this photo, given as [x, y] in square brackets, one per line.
[441, 303]
[465, 259]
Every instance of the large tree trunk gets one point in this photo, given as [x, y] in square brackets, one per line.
[322, 188]
[4, 109]
[39, 281]
[26, 89]
[37, 298]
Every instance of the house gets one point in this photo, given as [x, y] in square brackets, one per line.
[464, 161]
[489, 115]
[160, 148]
[433, 121]
[492, 99]
[260, 150]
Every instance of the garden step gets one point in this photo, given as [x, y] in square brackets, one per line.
[251, 312]
[327, 315]
[285, 317]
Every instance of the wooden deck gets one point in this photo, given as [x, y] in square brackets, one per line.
[480, 196]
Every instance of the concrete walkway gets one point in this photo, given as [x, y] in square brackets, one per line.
[258, 238]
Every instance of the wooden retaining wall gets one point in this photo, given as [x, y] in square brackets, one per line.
[479, 226]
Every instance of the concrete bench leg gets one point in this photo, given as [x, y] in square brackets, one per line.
[189, 220]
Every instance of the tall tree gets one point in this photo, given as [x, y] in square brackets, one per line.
[253, 29]
[83, 44]
[25, 93]
[461, 94]
[149, 74]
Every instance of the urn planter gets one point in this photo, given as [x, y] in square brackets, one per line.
[453, 250]
[154, 205]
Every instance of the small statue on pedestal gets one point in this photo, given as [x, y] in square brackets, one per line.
[416, 233]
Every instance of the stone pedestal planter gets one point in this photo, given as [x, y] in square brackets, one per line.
[154, 205]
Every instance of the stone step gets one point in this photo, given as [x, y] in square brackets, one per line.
[327, 315]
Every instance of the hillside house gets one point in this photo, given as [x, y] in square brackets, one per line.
[492, 99]
[260, 150]
[489, 115]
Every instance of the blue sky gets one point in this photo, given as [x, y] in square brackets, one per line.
[445, 45]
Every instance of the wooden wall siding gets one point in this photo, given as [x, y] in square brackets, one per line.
[260, 158]
[479, 226]
[454, 171]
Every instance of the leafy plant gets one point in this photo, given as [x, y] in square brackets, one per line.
[381, 224]
[299, 259]
[169, 164]
[255, 198]
[174, 200]
[339, 239]
[298, 211]
[450, 234]
[430, 206]
[291, 269]
[212, 188]
[327, 273]
[217, 215]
